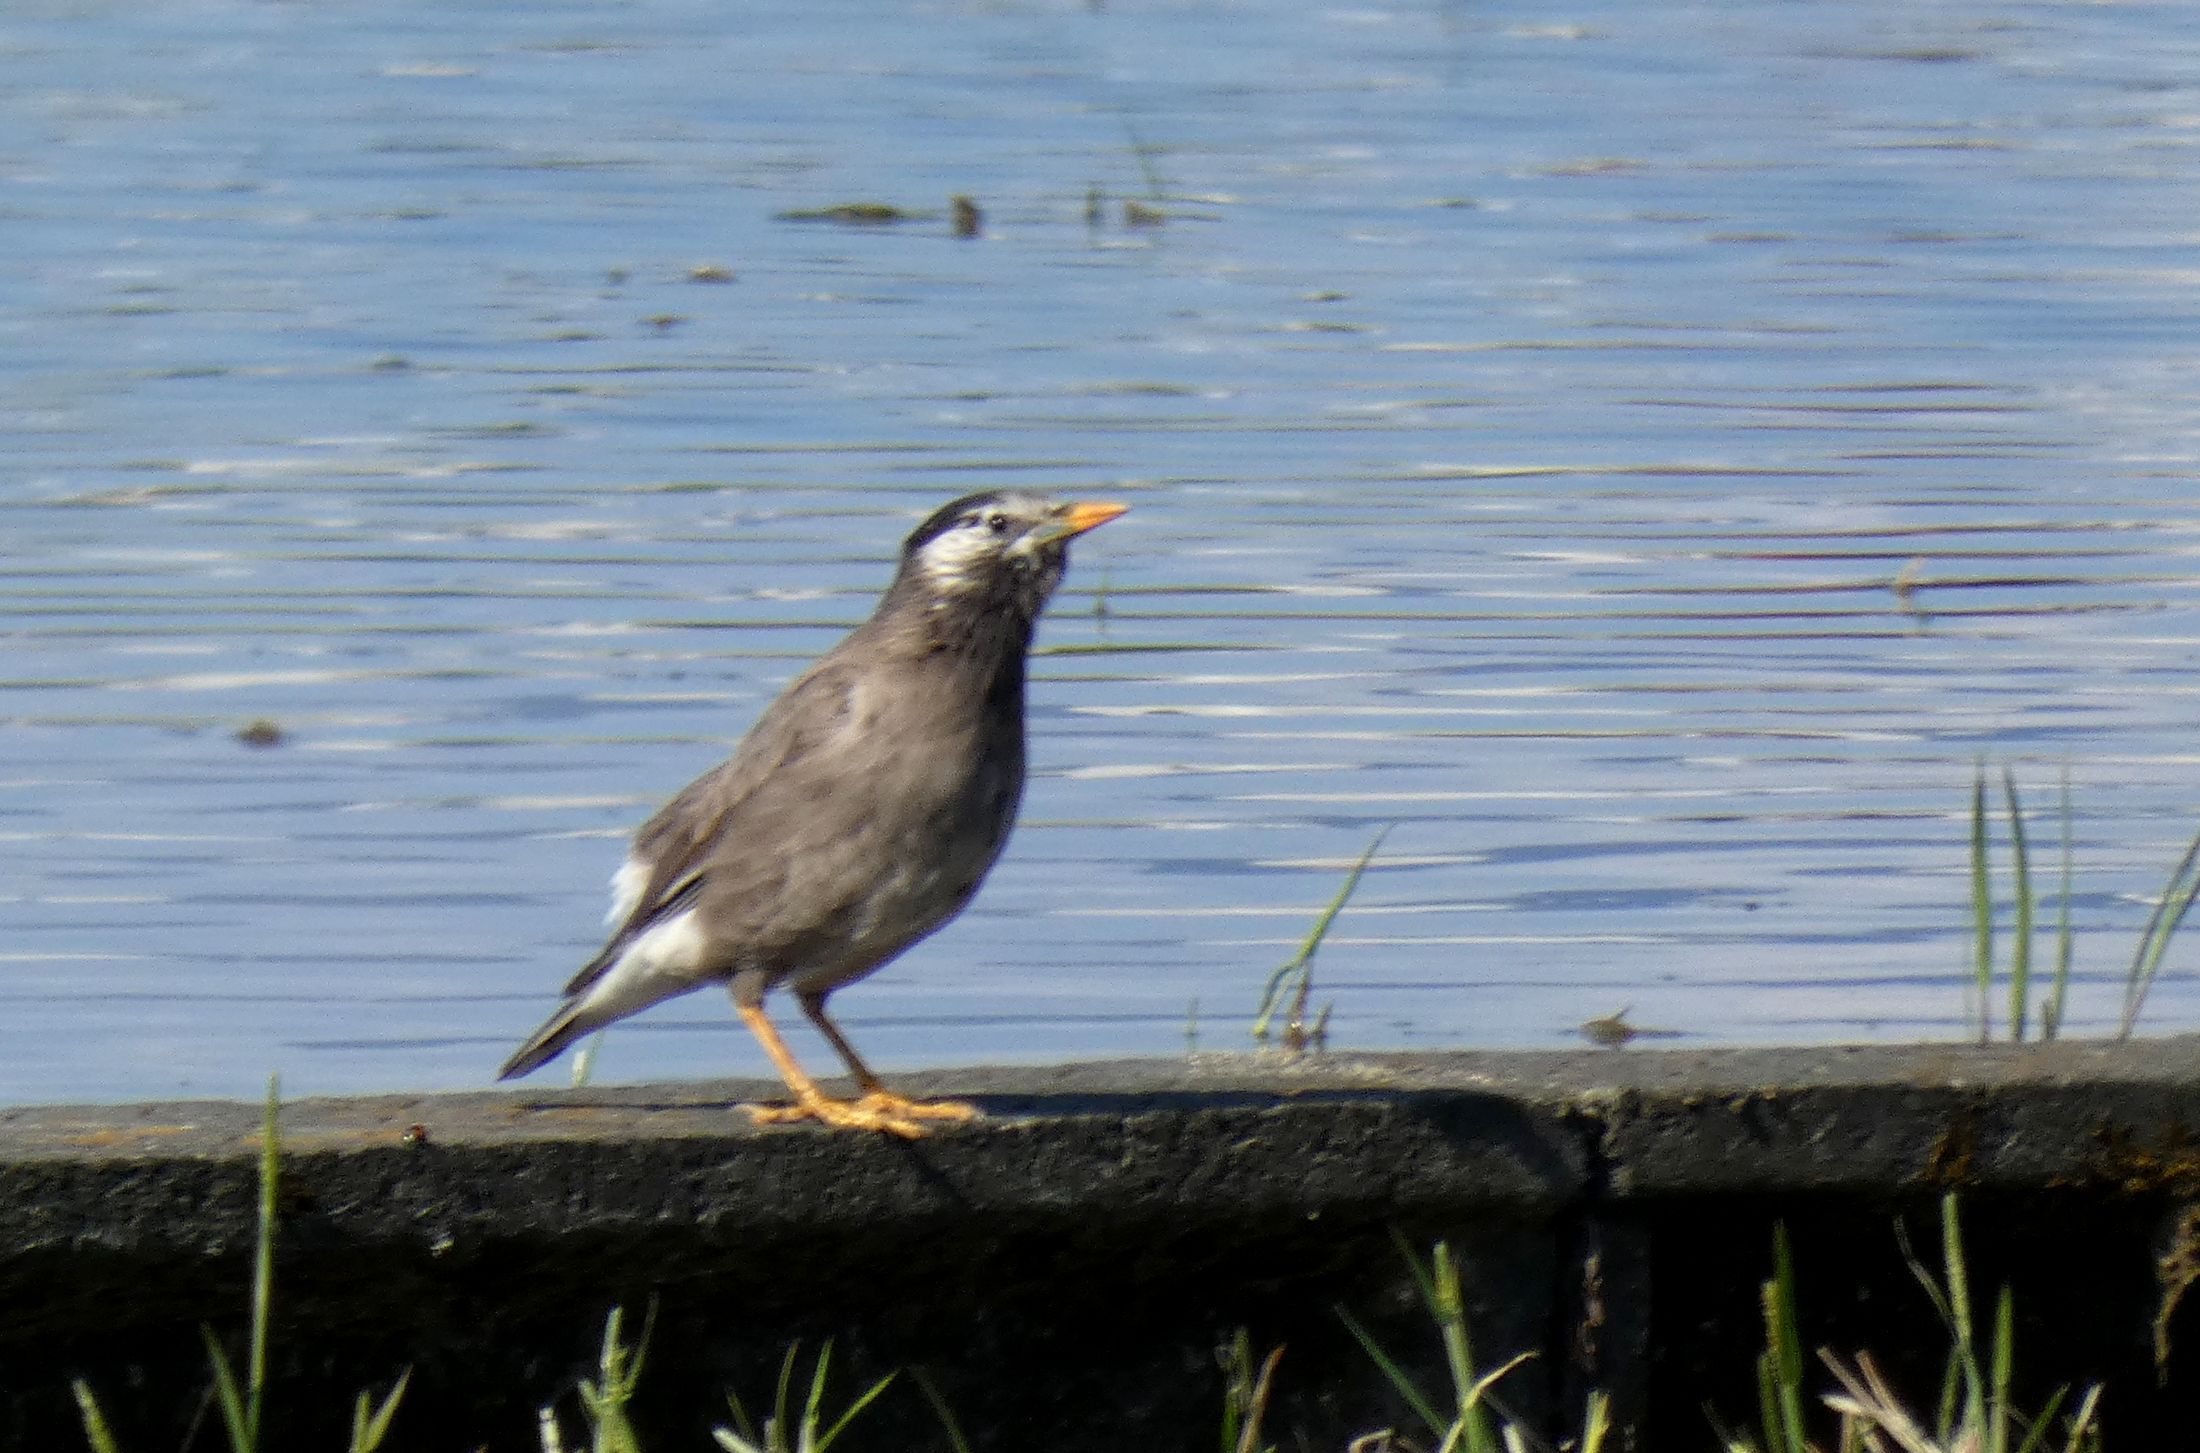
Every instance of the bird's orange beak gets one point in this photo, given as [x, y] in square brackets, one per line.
[1086, 515]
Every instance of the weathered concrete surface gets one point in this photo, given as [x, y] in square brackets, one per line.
[1065, 1268]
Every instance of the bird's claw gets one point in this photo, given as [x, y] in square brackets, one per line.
[955, 1111]
[880, 1110]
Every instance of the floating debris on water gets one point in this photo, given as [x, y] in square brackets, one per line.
[1612, 1030]
[854, 214]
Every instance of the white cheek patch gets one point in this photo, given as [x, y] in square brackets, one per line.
[626, 890]
[954, 561]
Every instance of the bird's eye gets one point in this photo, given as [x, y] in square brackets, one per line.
[997, 523]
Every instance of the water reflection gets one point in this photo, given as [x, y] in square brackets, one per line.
[1647, 455]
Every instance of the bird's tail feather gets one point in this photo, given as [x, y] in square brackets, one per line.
[546, 1043]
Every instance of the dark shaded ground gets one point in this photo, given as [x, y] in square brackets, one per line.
[1066, 1269]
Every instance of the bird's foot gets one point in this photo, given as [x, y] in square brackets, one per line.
[955, 1111]
[880, 1111]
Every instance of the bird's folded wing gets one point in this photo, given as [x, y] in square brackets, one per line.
[759, 779]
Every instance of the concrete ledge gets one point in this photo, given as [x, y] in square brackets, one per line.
[1066, 1268]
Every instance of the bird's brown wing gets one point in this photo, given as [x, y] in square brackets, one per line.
[764, 777]
[871, 839]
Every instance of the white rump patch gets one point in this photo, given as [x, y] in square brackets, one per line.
[666, 960]
[626, 890]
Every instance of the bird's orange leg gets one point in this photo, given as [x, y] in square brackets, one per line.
[874, 1091]
[811, 1103]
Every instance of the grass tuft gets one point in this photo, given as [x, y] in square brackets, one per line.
[1471, 1420]
[241, 1404]
[808, 1433]
[243, 1401]
[1466, 1421]
[604, 1401]
[1976, 1411]
[2170, 910]
[370, 1421]
[1283, 989]
[1245, 1394]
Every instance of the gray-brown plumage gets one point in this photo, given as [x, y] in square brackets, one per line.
[859, 814]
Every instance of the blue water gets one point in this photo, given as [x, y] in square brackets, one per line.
[1528, 414]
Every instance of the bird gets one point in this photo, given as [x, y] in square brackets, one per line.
[858, 815]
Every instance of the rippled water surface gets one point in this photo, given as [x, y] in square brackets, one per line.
[1648, 453]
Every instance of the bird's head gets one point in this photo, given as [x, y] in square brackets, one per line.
[997, 550]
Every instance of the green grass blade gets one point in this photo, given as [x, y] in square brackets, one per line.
[1596, 1423]
[612, 1354]
[1439, 1286]
[743, 1425]
[2177, 896]
[618, 1368]
[2020, 949]
[1451, 1323]
[1956, 1271]
[263, 1258]
[1480, 1389]
[2044, 1421]
[96, 1431]
[1768, 1403]
[1952, 1379]
[1951, 1398]
[776, 1425]
[227, 1397]
[2051, 1011]
[1784, 1342]
[1471, 1424]
[1301, 963]
[1237, 1388]
[812, 1405]
[825, 1440]
[956, 1442]
[2083, 1432]
[640, 1353]
[1724, 1438]
[1982, 909]
[1397, 1375]
[370, 1422]
[1271, 995]
[1421, 1278]
[1255, 1411]
[2005, 1358]
[1924, 1278]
